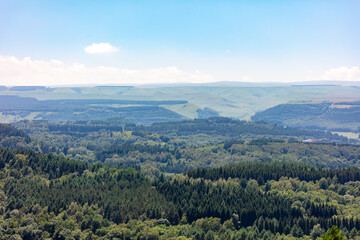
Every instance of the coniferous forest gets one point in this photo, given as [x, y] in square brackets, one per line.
[116, 180]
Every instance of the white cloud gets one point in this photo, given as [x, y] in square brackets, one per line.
[343, 73]
[14, 71]
[246, 79]
[100, 48]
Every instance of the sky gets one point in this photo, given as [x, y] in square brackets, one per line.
[62, 42]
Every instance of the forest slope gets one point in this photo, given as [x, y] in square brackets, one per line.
[72, 199]
[340, 117]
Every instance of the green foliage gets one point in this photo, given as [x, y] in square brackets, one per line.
[333, 234]
[13, 138]
[7, 130]
[253, 189]
[265, 171]
[147, 148]
[54, 185]
[229, 129]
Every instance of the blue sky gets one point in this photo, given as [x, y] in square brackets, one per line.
[211, 40]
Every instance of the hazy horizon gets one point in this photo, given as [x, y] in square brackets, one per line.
[217, 83]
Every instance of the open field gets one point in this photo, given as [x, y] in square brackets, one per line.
[351, 135]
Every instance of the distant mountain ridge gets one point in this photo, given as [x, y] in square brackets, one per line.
[16, 100]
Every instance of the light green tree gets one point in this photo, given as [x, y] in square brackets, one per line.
[333, 234]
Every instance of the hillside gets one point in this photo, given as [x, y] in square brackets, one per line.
[68, 199]
[14, 108]
[338, 117]
[227, 99]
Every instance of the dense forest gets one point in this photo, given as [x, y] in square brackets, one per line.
[157, 149]
[226, 128]
[45, 196]
[117, 180]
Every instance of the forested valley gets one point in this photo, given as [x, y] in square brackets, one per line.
[214, 178]
[179, 120]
